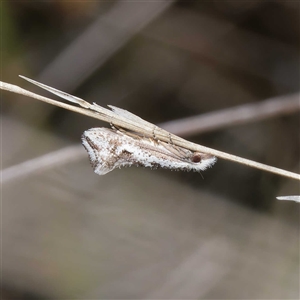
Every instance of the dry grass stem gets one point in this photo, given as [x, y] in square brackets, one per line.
[102, 39]
[289, 198]
[129, 121]
[252, 112]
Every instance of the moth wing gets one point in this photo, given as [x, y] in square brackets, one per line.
[179, 152]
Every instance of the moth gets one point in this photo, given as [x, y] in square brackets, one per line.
[109, 149]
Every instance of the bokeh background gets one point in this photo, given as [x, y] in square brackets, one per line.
[136, 233]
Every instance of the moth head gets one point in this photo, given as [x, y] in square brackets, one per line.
[203, 159]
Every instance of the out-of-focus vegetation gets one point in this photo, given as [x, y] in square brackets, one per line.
[163, 61]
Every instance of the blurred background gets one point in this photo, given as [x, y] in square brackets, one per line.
[136, 233]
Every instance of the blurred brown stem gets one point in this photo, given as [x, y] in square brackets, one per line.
[251, 112]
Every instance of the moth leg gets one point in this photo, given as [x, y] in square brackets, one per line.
[153, 133]
[154, 138]
[130, 134]
[170, 138]
[114, 127]
[180, 150]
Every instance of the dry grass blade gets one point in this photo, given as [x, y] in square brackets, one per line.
[289, 198]
[138, 125]
[281, 105]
